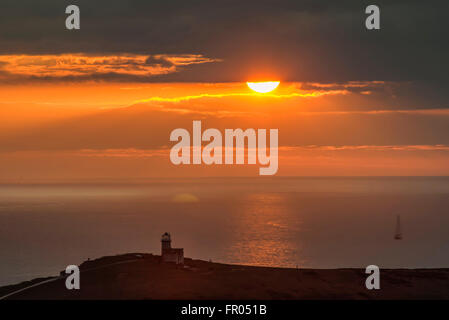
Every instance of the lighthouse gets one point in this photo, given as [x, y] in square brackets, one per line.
[165, 243]
[168, 253]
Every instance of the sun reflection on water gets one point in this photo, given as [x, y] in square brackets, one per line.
[266, 232]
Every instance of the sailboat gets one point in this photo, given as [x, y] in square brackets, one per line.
[398, 234]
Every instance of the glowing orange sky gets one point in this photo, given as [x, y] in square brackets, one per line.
[121, 130]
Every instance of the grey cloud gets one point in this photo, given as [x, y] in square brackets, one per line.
[159, 61]
[319, 40]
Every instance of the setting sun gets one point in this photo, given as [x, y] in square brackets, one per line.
[263, 87]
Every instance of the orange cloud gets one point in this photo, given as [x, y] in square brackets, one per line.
[66, 65]
[431, 112]
[122, 153]
[135, 163]
[303, 94]
[438, 147]
[349, 84]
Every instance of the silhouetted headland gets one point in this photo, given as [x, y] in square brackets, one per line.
[146, 276]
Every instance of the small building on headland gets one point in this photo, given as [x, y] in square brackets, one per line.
[170, 254]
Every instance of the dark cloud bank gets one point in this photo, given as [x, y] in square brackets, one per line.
[296, 40]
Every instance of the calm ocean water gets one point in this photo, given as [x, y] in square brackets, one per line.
[309, 222]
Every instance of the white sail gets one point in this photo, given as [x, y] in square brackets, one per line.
[398, 234]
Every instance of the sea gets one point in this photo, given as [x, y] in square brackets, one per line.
[304, 222]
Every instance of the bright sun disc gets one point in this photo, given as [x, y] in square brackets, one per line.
[263, 87]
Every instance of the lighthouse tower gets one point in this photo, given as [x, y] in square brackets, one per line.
[168, 253]
[165, 243]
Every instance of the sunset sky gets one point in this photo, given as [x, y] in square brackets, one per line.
[101, 102]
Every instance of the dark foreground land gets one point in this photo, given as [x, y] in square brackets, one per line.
[143, 276]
